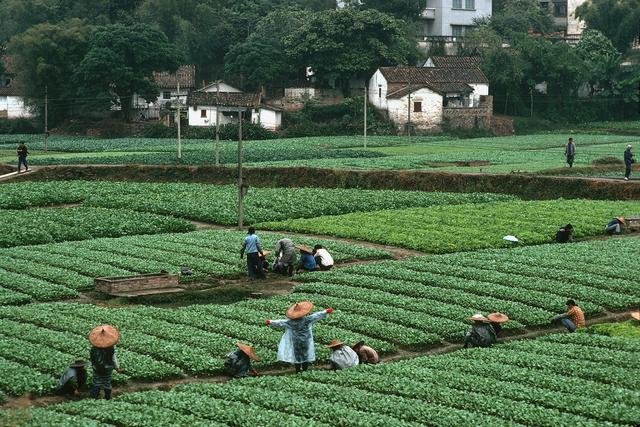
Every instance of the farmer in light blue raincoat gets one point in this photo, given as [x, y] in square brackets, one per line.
[296, 345]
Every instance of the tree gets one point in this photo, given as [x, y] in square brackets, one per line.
[120, 62]
[601, 60]
[518, 16]
[46, 57]
[402, 9]
[617, 19]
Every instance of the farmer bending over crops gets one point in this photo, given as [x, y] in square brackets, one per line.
[285, 252]
[481, 333]
[365, 353]
[238, 363]
[614, 226]
[323, 258]
[307, 261]
[565, 234]
[497, 319]
[572, 319]
[296, 345]
[73, 380]
[251, 245]
[342, 356]
[103, 359]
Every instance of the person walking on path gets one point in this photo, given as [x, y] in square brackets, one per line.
[497, 319]
[565, 234]
[238, 363]
[285, 252]
[614, 226]
[573, 319]
[307, 261]
[323, 258]
[296, 345]
[628, 162]
[481, 333]
[103, 359]
[73, 380]
[22, 157]
[570, 152]
[251, 245]
[366, 355]
[342, 356]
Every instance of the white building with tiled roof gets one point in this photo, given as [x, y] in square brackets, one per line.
[12, 102]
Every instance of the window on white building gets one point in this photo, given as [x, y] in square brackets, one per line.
[470, 4]
[203, 114]
[379, 91]
[417, 107]
[460, 30]
[166, 95]
[560, 9]
[457, 4]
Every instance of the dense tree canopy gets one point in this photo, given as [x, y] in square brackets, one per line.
[619, 20]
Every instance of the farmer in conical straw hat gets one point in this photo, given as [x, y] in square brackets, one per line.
[296, 345]
[307, 261]
[238, 362]
[481, 333]
[73, 380]
[342, 356]
[103, 358]
[636, 315]
[614, 226]
[497, 319]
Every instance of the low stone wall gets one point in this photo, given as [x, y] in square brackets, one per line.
[470, 117]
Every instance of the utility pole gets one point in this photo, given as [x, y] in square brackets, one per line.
[240, 183]
[179, 135]
[46, 116]
[365, 115]
[409, 116]
[217, 123]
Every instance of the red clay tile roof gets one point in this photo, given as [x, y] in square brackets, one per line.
[451, 61]
[427, 75]
[228, 99]
[186, 75]
[441, 88]
[13, 89]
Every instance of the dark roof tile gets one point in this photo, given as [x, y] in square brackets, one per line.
[426, 75]
[229, 99]
[186, 75]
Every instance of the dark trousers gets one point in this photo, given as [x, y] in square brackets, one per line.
[22, 161]
[627, 171]
[570, 160]
[95, 392]
[301, 367]
[254, 266]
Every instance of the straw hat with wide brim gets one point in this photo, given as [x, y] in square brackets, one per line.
[305, 248]
[636, 315]
[248, 350]
[299, 310]
[478, 318]
[80, 363]
[497, 317]
[334, 343]
[621, 219]
[104, 336]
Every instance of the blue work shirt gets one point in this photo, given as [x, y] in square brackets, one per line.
[308, 262]
[251, 244]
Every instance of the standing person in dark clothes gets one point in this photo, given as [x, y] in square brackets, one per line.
[251, 245]
[628, 161]
[73, 380]
[22, 156]
[296, 344]
[481, 333]
[497, 319]
[238, 363]
[614, 226]
[103, 359]
[565, 234]
[570, 152]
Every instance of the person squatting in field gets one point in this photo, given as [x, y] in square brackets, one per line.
[342, 356]
[565, 234]
[614, 226]
[366, 354]
[238, 363]
[481, 334]
[73, 380]
[285, 253]
[296, 345]
[324, 260]
[307, 261]
[573, 319]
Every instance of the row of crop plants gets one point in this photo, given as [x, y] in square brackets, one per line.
[413, 304]
[58, 271]
[443, 229]
[530, 383]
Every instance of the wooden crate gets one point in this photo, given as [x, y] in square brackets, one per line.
[142, 284]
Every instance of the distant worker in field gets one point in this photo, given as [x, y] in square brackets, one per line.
[497, 319]
[481, 334]
[614, 226]
[573, 319]
[103, 359]
[366, 355]
[296, 345]
[342, 356]
[22, 157]
[307, 261]
[570, 152]
[238, 363]
[628, 162]
[73, 380]
[565, 234]
[323, 258]
[285, 252]
[251, 245]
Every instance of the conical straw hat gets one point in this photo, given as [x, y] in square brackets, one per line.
[248, 350]
[478, 318]
[334, 343]
[497, 317]
[299, 310]
[104, 336]
[305, 248]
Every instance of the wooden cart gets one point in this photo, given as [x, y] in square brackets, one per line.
[139, 285]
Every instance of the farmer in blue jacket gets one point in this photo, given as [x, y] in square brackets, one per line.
[251, 245]
[307, 261]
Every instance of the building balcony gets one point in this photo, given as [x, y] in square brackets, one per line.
[428, 13]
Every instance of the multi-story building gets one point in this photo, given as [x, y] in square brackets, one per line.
[452, 18]
[564, 17]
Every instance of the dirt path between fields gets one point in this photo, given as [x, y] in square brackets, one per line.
[401, 354]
